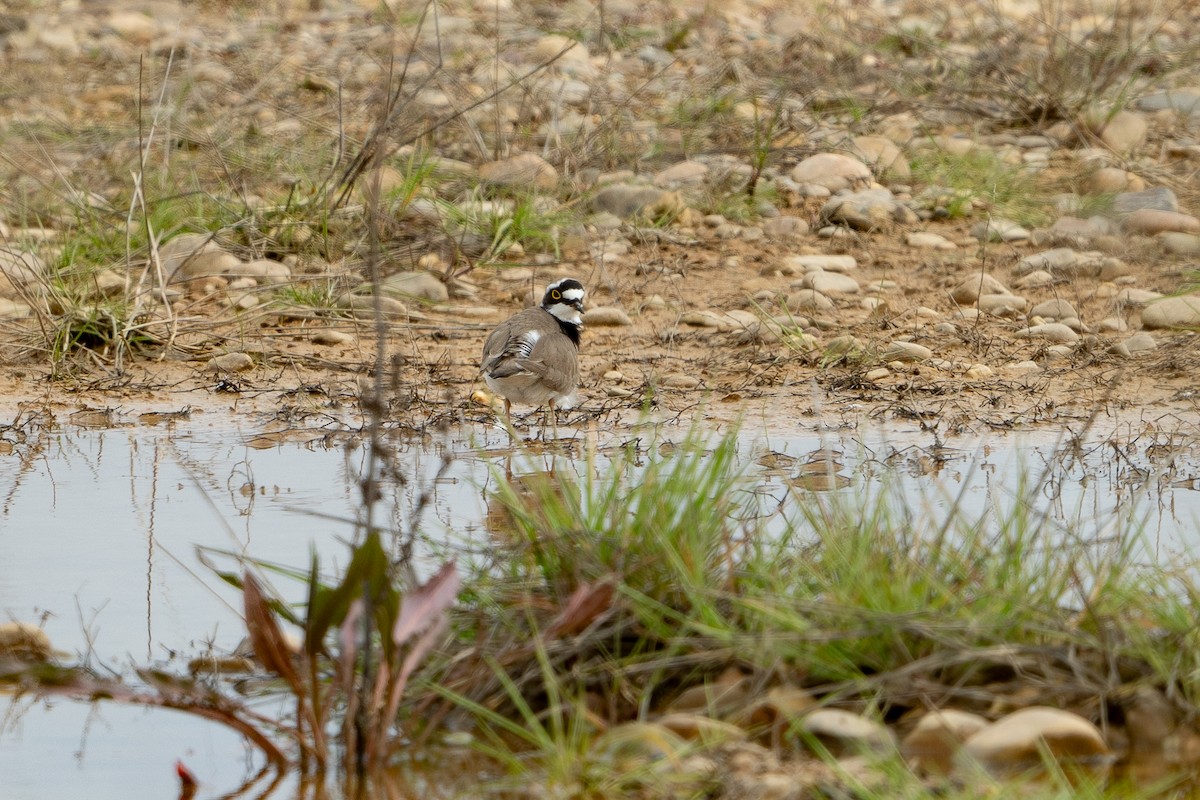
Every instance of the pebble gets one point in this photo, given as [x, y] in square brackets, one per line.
[978, 372]
[1001, 305]
[793, 264]
[602, 316]
[1017, 744]
[1050, 332]
[968, 292]
[867, 210]
[926, 240]
[808, 300]
[1112, 180]
[1136, 297]
[629, 200]
[1172, 312]
[420, 285]
[1180, 244]
[882, 154]
[843, 732]
[194, 255]
[1000, 230]
[231, 362]
[678, 380]
[363, 306]
[19, 270]
[1148, 222]
[1159, 198]
[832, 171]
[683, 173]
[906, 351]
[1034, 280]
[11, 309]
[701, 319]
[1121, 132]
[523, 170]
[1056, 309]
[938, 735]
[784, 228]
[1135, 345]
[329, 336]
[829, 283]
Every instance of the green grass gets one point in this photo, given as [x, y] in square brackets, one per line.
[979, 175]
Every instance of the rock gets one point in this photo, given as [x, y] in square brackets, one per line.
[602, 316]
[793, 264]
[231, 362]
[520, 171]
[363, 306]
[1111, 180]
[1035, 280]
[264, 271]
[195, 255]
[420, 285]
[867, 210]
[329, 336]
[1180, 244]
[1055, 309]
[683, 173]
[1135, 297]
[969, 291]
[882, 155]
[1050, 332]
[783, 228]
[1000, 305]
[999, 230]
[1061, 262]
[1121, 132]
[565, 52]
[808, 300]
[933, 743]
[1016, 745]
[11, 309]
[1151, 221]
[24, 641]
[978, 372]
[845, 733]
[833, 171]
[926, 240]
[878, 374]
[679, 380]
[628, 200]
[1137, 344]
[1159, 198]
[1172, 312]
[905, 351]
[829, 283]
[701, 319]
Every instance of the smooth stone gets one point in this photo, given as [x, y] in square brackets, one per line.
[1001, 305]
[363, 306]
[1148, 222]
[678, 380]
[833, 171]
[829, 282]
[878, 374]
[999, 230]
[231, 362]
[1180, 244]
[522, 170]
[1184, 101]
[1159, 198]
[1112, 180]
[969, 291]
[702, 319]
[783, 228]
[194, 255]
[938, 735]
[867, 210]
[881, 154]
[1061, 262]
[1120, 132]
[420, 285]
[331, 337]
[926, 240]
[979, 372]
[1112, 325]
[263, 270]
[808, 300]
[561, 49]
[1018, 743]
[685, 172]
[906, 351]
[1034, 280]
[1137, 344]
[629, 200]
[828, 263]
[1136, 297]
[1050, 332]
[1172, 312]
[606, 316]
[1056, 309]
[844, 732]
[11, 309]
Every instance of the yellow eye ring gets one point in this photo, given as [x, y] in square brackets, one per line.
[556, 294]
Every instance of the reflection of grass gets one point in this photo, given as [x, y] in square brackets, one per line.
[866, 593]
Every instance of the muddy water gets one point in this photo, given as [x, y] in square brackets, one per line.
[99, 530]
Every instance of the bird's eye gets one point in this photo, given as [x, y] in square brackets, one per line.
[556, 294]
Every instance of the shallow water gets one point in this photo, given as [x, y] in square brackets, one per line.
[100, 527]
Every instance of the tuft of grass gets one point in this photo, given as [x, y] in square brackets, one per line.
[980, 176]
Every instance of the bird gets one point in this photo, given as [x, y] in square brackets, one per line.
[532, 357]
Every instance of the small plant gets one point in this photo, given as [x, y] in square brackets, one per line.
[979, 176]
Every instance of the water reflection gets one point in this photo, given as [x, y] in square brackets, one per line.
[99, 528]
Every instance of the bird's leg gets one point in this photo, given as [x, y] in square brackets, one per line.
[553, 419]
[508, 423]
